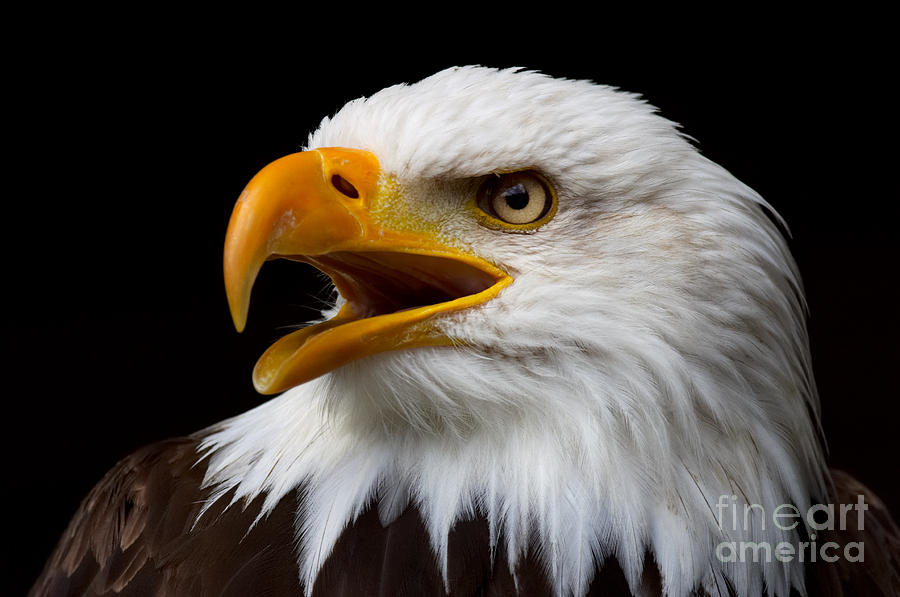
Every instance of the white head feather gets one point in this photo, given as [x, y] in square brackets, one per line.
[650, 356]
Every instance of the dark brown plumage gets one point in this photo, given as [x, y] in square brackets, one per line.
[134, 534]
[879, 574]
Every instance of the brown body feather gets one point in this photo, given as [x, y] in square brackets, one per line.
[134, 534]
[137, 533]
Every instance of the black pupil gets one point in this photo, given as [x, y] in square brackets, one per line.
[516, 196]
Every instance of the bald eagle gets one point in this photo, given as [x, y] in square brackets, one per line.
[566, 355]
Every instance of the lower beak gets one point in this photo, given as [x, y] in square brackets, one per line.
[314, 207]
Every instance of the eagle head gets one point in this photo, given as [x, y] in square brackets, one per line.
[550, 310]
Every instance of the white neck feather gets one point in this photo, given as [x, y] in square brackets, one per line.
[588, 478]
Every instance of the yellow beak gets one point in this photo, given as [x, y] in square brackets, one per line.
[315, 207]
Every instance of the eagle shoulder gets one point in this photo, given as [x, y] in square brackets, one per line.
[876, 546]
[137, 533]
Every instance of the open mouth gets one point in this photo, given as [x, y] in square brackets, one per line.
[391, 298]
[380, 283]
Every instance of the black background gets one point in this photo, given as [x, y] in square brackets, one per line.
[128, 145]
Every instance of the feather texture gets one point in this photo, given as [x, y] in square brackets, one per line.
[650, 357]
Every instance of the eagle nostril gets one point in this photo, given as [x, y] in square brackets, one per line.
[344, 186]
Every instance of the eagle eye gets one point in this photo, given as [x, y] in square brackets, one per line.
[516, 201]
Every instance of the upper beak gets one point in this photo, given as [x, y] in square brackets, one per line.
[316, 207]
